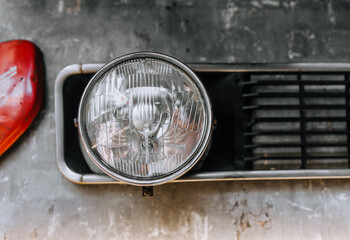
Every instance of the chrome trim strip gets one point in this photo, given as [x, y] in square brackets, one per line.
[62, 166]
[204, 176]
[272, 67]
[238, 175]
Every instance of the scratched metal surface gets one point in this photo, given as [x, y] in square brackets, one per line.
[36, 202]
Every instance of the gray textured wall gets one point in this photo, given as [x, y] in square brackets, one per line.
[37, 202]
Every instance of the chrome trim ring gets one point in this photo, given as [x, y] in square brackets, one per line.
[186, 166]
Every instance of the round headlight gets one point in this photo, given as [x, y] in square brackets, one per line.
[145, 118]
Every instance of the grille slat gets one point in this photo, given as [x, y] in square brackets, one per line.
[293, 145]
[293, 107]
[290, 82]
[294, 157]
[296, 119]
[296, 95]
[295, 133]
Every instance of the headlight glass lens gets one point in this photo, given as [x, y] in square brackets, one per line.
[144, 118]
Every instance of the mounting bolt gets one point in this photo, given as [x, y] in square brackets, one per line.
[76, 122]
[147, 192]
[215, 123]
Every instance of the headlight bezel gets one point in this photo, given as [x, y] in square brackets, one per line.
[191, 161]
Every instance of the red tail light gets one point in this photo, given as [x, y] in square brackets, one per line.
[21, 89]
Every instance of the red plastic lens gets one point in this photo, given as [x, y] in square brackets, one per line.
[21, 89]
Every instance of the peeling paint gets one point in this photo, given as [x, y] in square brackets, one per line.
[331, 13]
[60, 6]
[53, 225]
[199, 226]
[4, 179]
[296, 205]
[272, 3]
[228, 14]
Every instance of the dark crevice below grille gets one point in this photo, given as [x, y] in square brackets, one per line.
[296, 120]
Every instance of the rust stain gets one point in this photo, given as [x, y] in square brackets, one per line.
[238, 235]
[267, 224]
[245, 219]
[75, 9]
[34, 234]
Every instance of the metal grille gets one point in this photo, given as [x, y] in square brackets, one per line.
[289, 118]
[296, 120]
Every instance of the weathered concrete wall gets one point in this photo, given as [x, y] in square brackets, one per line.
[37, 202]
